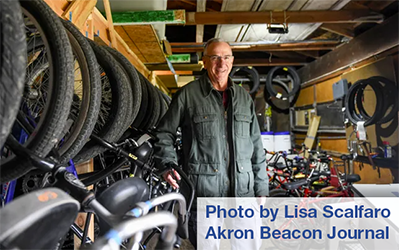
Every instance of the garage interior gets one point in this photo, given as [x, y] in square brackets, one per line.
[327, 46]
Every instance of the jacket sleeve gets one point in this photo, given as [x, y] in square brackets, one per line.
[164, 151]
[258, 159]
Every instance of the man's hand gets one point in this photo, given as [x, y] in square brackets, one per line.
[172, 177]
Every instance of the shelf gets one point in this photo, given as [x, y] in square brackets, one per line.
[379, 162]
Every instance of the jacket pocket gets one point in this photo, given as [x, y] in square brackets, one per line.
[242, 124]
[207, 179]
[205, 126]
[245, 178]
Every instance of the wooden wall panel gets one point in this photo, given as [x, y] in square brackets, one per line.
[370, 176]
[122, 32]
[306, 97]
[338, 145]
[324, 92]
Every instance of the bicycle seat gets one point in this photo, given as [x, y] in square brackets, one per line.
[351, 178]
[297, 184]
[318, 173]
[122, 197]
[277, 165]
[37, 220]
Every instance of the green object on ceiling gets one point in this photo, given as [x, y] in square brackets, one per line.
[179, 58]
[148, 17]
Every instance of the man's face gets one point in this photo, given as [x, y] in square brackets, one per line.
[218, 61]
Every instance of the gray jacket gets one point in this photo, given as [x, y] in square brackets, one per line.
[210, 133]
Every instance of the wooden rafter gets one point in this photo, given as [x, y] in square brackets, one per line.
[201, 7]
[297, 46]
[267, 62]
[250, 17]
[107, 8]
[361, 48]
[79, 11]
[343, 29]
[97, 24]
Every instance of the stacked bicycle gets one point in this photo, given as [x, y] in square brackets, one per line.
[314, 175]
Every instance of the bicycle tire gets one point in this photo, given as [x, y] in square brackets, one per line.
[115, 125]
[91, 99]
[12, 64]
[251, 71]
[51, 125]
[149, 104]
[388, 88]
[164, 106]
[295, 78]
[143, 106]
[269, 100]
[134, 80]
[156, 111]
[354, 93]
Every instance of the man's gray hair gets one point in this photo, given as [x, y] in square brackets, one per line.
[213, 40]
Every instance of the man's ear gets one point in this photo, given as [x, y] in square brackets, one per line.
[205, 63]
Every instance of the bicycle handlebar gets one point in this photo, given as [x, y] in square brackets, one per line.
[144, 207]
[129, 228]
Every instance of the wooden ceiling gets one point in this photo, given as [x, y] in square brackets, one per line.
[327, 37]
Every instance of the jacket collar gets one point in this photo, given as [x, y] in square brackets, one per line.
[207, 86]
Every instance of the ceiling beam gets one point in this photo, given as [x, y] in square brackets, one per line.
[370, 43]
[343, 29]
[267, 62]
[262, 17]
[313, 54]
[201, 7]
[177, 67]
[244, 47]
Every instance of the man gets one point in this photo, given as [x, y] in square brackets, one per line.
[222, 149]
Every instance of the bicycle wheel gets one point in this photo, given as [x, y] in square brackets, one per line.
[48, 86]
[143, 105]
[87, 95]
[154, 99]
[134, 80]
[12, 63]
[114, 108]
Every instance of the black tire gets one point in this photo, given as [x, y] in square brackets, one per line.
[12, 64]
[269, 99]
[164, 106]
[355, 92]
[115, 123]
[143, 106]
[134, 80]
[156, 111]
[390, 100]
[254, 86]
[295, 78]
[91, 96]
[150, 104]
[53, 119]
[166, 98]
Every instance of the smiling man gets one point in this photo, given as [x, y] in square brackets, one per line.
[222, 149]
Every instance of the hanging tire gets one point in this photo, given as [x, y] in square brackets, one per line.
[143, 106]
[87, 97]
[250, 71]
[271, 100]
[156, 111]
[296, 82]
[134, 80]
[50, 121]
[115, 107]
[13, 62]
